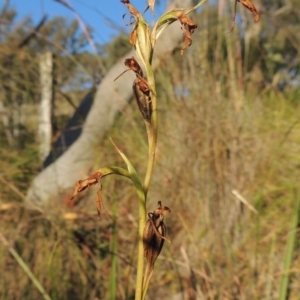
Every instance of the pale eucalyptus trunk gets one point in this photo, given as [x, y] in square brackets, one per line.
[45, 112]
[110, 98]
[4, 115]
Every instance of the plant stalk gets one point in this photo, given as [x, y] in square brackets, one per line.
[152, 140]
[152, 131]
[140, 263]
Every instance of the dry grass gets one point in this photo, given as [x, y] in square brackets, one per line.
[210, 143]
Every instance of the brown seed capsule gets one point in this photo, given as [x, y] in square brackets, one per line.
[155, 233]
[141, 93]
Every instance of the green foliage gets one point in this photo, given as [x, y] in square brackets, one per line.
[290, 245]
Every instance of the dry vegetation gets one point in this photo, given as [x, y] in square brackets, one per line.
[216, 136]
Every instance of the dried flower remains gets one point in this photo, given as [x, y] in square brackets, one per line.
[141, 89]
[189, 27]
[250, 6]
[155, 233]
[82, 185]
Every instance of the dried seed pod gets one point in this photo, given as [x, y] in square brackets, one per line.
[155, 233]
[141, 89]
[153, 239]
[141, 93]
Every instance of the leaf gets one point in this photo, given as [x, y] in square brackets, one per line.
[163, 22]
[132, 172]
[290, 252]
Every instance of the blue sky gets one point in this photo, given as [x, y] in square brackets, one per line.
[95, 13]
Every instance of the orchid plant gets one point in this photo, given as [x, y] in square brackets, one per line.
[152, 232]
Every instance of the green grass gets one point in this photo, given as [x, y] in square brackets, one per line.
[289, 252]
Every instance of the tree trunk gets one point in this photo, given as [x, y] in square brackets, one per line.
[5, 123]
[110, 99]
[45, 113]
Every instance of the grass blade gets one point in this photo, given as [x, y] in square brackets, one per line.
[25, 268]
[284, 283]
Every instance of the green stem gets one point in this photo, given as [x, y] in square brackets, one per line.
[140, 263]
[142, 216]
[290, 247]
[152, 131]
[152, 140]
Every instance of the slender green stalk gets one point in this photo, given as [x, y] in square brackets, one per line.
[152, 141]
[284, 283]
[142, 221]
[140, 263]
[25, 268]
[153, 132]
